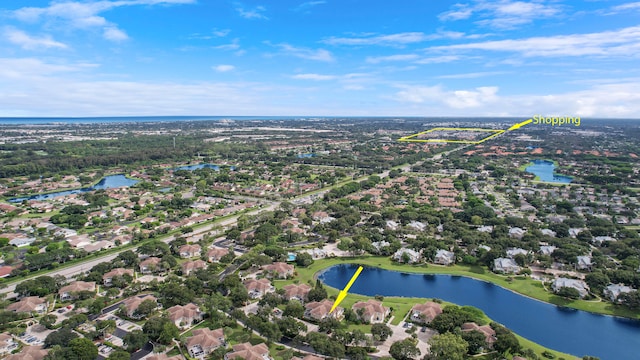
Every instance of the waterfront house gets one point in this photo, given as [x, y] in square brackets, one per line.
[486, 330]
[614, 290]
[370, 311]
[424, 313]
[579, 285]
[444, 257]
[411, 256]
[505, 266]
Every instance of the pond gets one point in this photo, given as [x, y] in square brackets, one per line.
[107, 182]
[571, 331]
[544, 170]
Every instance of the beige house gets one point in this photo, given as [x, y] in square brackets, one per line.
[184, 316]
[246, 351]
[30, 304]
[108, 277]
[190, 250]
[489, 333]
[204, 341]
[149, 265]
[164, 357]
[190, 266]
[7, 344]
[308, 357]
[258, 288]
[29, 353]
[296, 292]
[319, 310]
[279, 269]
[215, 254]
[131, 304]
[70, 291]
[371, 311]
[424, 313]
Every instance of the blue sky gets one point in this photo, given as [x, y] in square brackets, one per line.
[320, 57]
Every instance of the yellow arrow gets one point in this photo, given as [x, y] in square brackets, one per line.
[519, 125]
[343, 292]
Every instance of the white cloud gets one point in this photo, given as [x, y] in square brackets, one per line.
[473, 75]
[82, 15]
[438, 59]
[317, 77]
[501, 14]
[613, 100]
[306, 6]
[28, 42]
[306, 53]
[115, 34]
[388, 40]
[234, 45]
[224, 68]
[398, 57]
[623, 42]
[255, 13]
[221, 33]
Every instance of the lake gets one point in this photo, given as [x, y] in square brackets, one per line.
[107, 182]
[571, 331]
[544, 169]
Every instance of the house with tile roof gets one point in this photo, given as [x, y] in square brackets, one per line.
[215, 254]
[486, 330]
[190, 250]
[246, 351]
[70, 292]
[29, 353]
[189, 267]
[424, 313]
[371, 311]
[318, 310]
[279, 269]
[117, 272]
[296, 292]
[204, 341]
[30, 304]
[131, 304]
[184, 316]
[258, 288]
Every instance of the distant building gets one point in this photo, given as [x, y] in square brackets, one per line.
[246, 351]
[279, 269]
[444, 257]
[204, 341]
[70, 292]
[320, 310]
[117, 272]
[190, 250]
[131, 304]
[505, 266]
[215, 254]
[584, 263]
[184, 316]
[296, 292]
[614, 290]
[189, 267]
[486, 330]
[579, 285]
[412, 255]
[258, 288]
[30, 304]
[29, 353]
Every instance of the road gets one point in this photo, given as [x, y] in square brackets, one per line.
[71, 271]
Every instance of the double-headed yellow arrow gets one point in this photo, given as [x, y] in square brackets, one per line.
[343, 292]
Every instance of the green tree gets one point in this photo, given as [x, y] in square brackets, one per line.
[304, 259]
[84, 349]
[291, 327]
[381, 332]
[119, 355]
[447, 346]
[404, 350]
[476, 341]
[568, 292]
[135, 340]
[48, 321]
[294, 309]
[60, 337]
